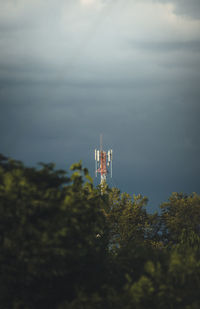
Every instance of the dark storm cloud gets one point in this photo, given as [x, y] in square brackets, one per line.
[70, 71]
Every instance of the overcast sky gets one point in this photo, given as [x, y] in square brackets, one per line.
[129, 69]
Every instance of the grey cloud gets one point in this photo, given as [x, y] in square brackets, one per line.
[159, 46]
[190, 8]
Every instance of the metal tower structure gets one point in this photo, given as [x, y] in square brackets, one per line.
[103, 162]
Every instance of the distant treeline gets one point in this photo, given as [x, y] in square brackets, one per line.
[64, 245]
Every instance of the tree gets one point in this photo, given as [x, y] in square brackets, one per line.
[181, 219]
[49, 227]
[65, 245]
[129, 221]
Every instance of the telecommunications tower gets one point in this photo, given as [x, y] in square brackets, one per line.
[103, 162]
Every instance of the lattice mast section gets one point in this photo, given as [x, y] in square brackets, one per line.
[103, 162]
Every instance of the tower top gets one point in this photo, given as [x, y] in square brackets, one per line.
[103, 162]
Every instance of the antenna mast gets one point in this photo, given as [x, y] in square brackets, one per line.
[103, 163]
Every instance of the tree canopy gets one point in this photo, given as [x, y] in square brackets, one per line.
[65, 245]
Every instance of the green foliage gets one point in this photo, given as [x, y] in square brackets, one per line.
[181, 219]
[63, 244]
[129, 221]
[49, 227]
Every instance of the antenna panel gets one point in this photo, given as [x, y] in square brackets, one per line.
[98, 156]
